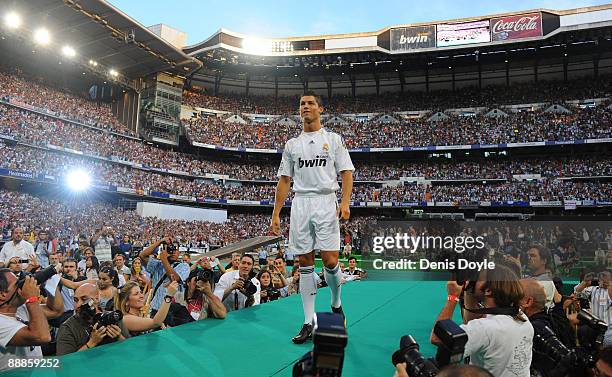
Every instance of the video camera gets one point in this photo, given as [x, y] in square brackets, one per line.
[41, 276]
[568, 362]
[327, 357]
[272, 293]
[451, 350]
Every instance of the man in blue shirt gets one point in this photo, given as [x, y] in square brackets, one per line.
[164, 270]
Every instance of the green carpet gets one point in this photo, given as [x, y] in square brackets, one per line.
[257, 341]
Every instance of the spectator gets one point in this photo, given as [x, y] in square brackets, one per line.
[125, 247]
[139, 275]
[232, 287]
[87, 252]
[43, 248]
[102, 242]
[79, 332]
[122, 270]
[18, 247]
[92, 268]
[131, 304]
[163, 270]
[601, 306]
[17, 339]
[499, 343]
[108, 285]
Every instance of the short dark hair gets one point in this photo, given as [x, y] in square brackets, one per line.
[317, 97]
[3, 280]
[605, 355]
[542, 251]
[112, 274]
[248, 256]
[352, 258]
[279, 257]
[68, 260]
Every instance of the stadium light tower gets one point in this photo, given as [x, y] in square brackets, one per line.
[68, 51]
[78, 180]
[42, 36]
[12, 20]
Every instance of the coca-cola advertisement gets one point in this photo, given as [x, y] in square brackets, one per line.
[516, 27]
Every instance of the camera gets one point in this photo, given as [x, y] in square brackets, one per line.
[108, 318]
[568, 362]
[451, 350]
[41, 276]
[327, 357]
[249, 288]
[272, 294]
[589, 319]
[205, 275]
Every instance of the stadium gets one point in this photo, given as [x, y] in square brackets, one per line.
[129, 159]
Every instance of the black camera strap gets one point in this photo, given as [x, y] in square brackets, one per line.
[163, 278]
[511, 311]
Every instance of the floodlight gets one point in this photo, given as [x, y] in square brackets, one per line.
[78, 180]
[113, 73]
[68, 51]
[12, 20]
[41, 36]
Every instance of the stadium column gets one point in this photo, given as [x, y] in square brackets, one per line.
[353, 85]
[247, 83]
[402, 80]
[507, 72]
[479, 75]
[565, 61]
[596, 65]
[329, 88]
[275, 87]
[218, 78]
[427, 77]
[377, 79]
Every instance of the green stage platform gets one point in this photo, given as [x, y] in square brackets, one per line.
[257, 341]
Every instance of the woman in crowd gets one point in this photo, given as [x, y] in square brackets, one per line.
[140, 275]
[131, 302]
[92, 268]
[108, 283]
[271, 282]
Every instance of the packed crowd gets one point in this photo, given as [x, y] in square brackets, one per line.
[480, 129]
[392, 102]
[67, 220]
[33, 91]
[51, 163]
[24, 158]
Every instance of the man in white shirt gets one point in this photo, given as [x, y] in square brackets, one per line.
[500, 343]
[231, 286]
[313, 160]
[17, 247]
[103, 242]
[17, 339]
[600, 298]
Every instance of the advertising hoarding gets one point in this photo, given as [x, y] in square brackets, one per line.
[516, 27]
[463, 33]
[413, 38]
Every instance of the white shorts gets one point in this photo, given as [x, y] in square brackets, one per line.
[313, 224]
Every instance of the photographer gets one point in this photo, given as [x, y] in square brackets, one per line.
[272, 286]
[83, 331]
[131, 304]
[538, 259]
[16, 338]
[102, 242]
[164, 270]
[533, 305]
[501, 343]
[200, 300]
[209, 263]
[239, 289]
[601, 306]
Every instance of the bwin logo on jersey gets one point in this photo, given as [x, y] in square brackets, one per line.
[312, 163]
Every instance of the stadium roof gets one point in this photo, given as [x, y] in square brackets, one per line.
[101, 32]
[378, 41]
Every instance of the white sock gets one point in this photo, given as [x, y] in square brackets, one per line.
[308, 291]
[332, 278]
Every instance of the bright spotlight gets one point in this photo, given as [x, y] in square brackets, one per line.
[42, 36]
[78, 180]
[68, 51]
[12, 20]
[113, 73]
[93, 62]
[256, 45]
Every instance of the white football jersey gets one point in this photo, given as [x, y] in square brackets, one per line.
[314, 160]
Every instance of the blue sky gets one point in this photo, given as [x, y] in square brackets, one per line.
[267, 18]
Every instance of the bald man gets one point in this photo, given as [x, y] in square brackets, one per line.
[80, 332]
